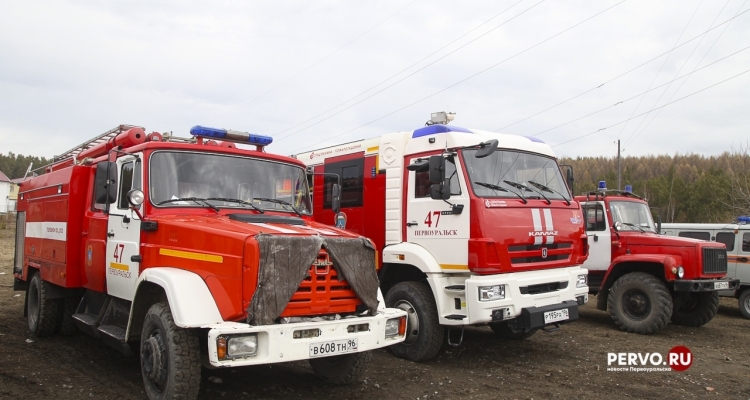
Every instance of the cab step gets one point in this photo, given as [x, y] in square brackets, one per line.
[87, 323]
[114, 336]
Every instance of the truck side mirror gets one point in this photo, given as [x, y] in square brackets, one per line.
[569, 179]
[105, 183]
[658, 224]
[336, 198]
[437, 169]
[441, 191]
[486, 148]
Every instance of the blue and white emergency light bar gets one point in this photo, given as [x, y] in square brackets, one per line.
[231, 136]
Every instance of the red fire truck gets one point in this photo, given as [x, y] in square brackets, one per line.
[643, 278]
[188, 251]
[472, 227]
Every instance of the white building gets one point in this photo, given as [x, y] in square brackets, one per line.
[6, 186]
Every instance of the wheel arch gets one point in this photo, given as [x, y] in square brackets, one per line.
[405, 262]
[618, 270]
[188, 296]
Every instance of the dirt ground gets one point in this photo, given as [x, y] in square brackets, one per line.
[570, 363]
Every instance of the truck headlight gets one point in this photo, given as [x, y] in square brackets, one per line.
[490, 293]
[583, 280]
[395, 326]
[237, 346]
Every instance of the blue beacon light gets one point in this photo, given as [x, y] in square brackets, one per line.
[230, 135]
[743, 219]
[628, 189]
[602, 185]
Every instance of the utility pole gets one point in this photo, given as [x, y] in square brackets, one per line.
[619, 187]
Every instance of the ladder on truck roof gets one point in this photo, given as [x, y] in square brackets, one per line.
[103, 138]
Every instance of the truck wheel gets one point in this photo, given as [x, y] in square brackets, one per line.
[424, 335]
[744, 302]
[41, 311]
[67, 307]
[695, 309]
[170, 357]
[502, 330]
[343, 369]
[640, 303]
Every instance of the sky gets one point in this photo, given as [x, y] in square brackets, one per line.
[663, 77]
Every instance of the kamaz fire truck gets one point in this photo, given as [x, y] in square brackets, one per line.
[643, 278]
[190, 251]
[471, 227]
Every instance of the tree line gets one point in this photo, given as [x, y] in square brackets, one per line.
[14, 165]
[679, 188]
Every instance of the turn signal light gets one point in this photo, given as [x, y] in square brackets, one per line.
[221, 347]
[402, 326]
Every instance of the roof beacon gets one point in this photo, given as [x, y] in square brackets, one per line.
[628, 189]
[602, 185]
[231, 136]
[743, 219]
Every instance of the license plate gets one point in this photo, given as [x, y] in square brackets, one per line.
[557, 315]
[334, 347]
[721, 285]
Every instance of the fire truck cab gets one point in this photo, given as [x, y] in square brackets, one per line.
[190, 251]
[472, 228]
[643, 278]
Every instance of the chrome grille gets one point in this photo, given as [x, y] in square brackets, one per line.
[714, 260]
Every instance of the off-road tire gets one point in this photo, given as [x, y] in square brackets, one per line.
[177, 372]
[419, 303]
[342, 370]
[67, 307]
[744, 303]
[503, 331]
[639, 302]
[695, 309]
[41, 311]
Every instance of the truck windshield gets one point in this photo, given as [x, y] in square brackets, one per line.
[226, 181]
[632, 216]
[507, 173]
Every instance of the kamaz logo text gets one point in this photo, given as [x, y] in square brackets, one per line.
[543, 233]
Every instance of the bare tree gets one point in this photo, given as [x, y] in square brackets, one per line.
[737, 196]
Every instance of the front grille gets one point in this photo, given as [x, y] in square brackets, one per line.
[543, 288]
[20, 238]
[714, 260]
[322, 293]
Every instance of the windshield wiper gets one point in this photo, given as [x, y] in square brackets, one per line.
[238, 201]
[548, 189]
[634, 226]
[518, 186]
[197, 200]
[278, 201]
[501, 189]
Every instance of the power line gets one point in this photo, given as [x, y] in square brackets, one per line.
[313, 65]
[404, 78]
[683, 82]
[619, 76]
[640, 94]
[639, 115]
[471, 76]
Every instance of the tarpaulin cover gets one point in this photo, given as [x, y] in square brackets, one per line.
[285, 261]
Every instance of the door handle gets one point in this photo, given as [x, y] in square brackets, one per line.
[742, 259]
[411, 224]
[596, 238]
[110, 234]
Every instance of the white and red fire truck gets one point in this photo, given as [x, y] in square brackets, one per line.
[472, 227]
[643, 278]
[190, 251]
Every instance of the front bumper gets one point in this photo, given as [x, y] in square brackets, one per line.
[519, 294]
[276, 343]
[705, 285]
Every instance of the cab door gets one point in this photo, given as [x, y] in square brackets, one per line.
[600, 241]
[124, 232]
[431, 223]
